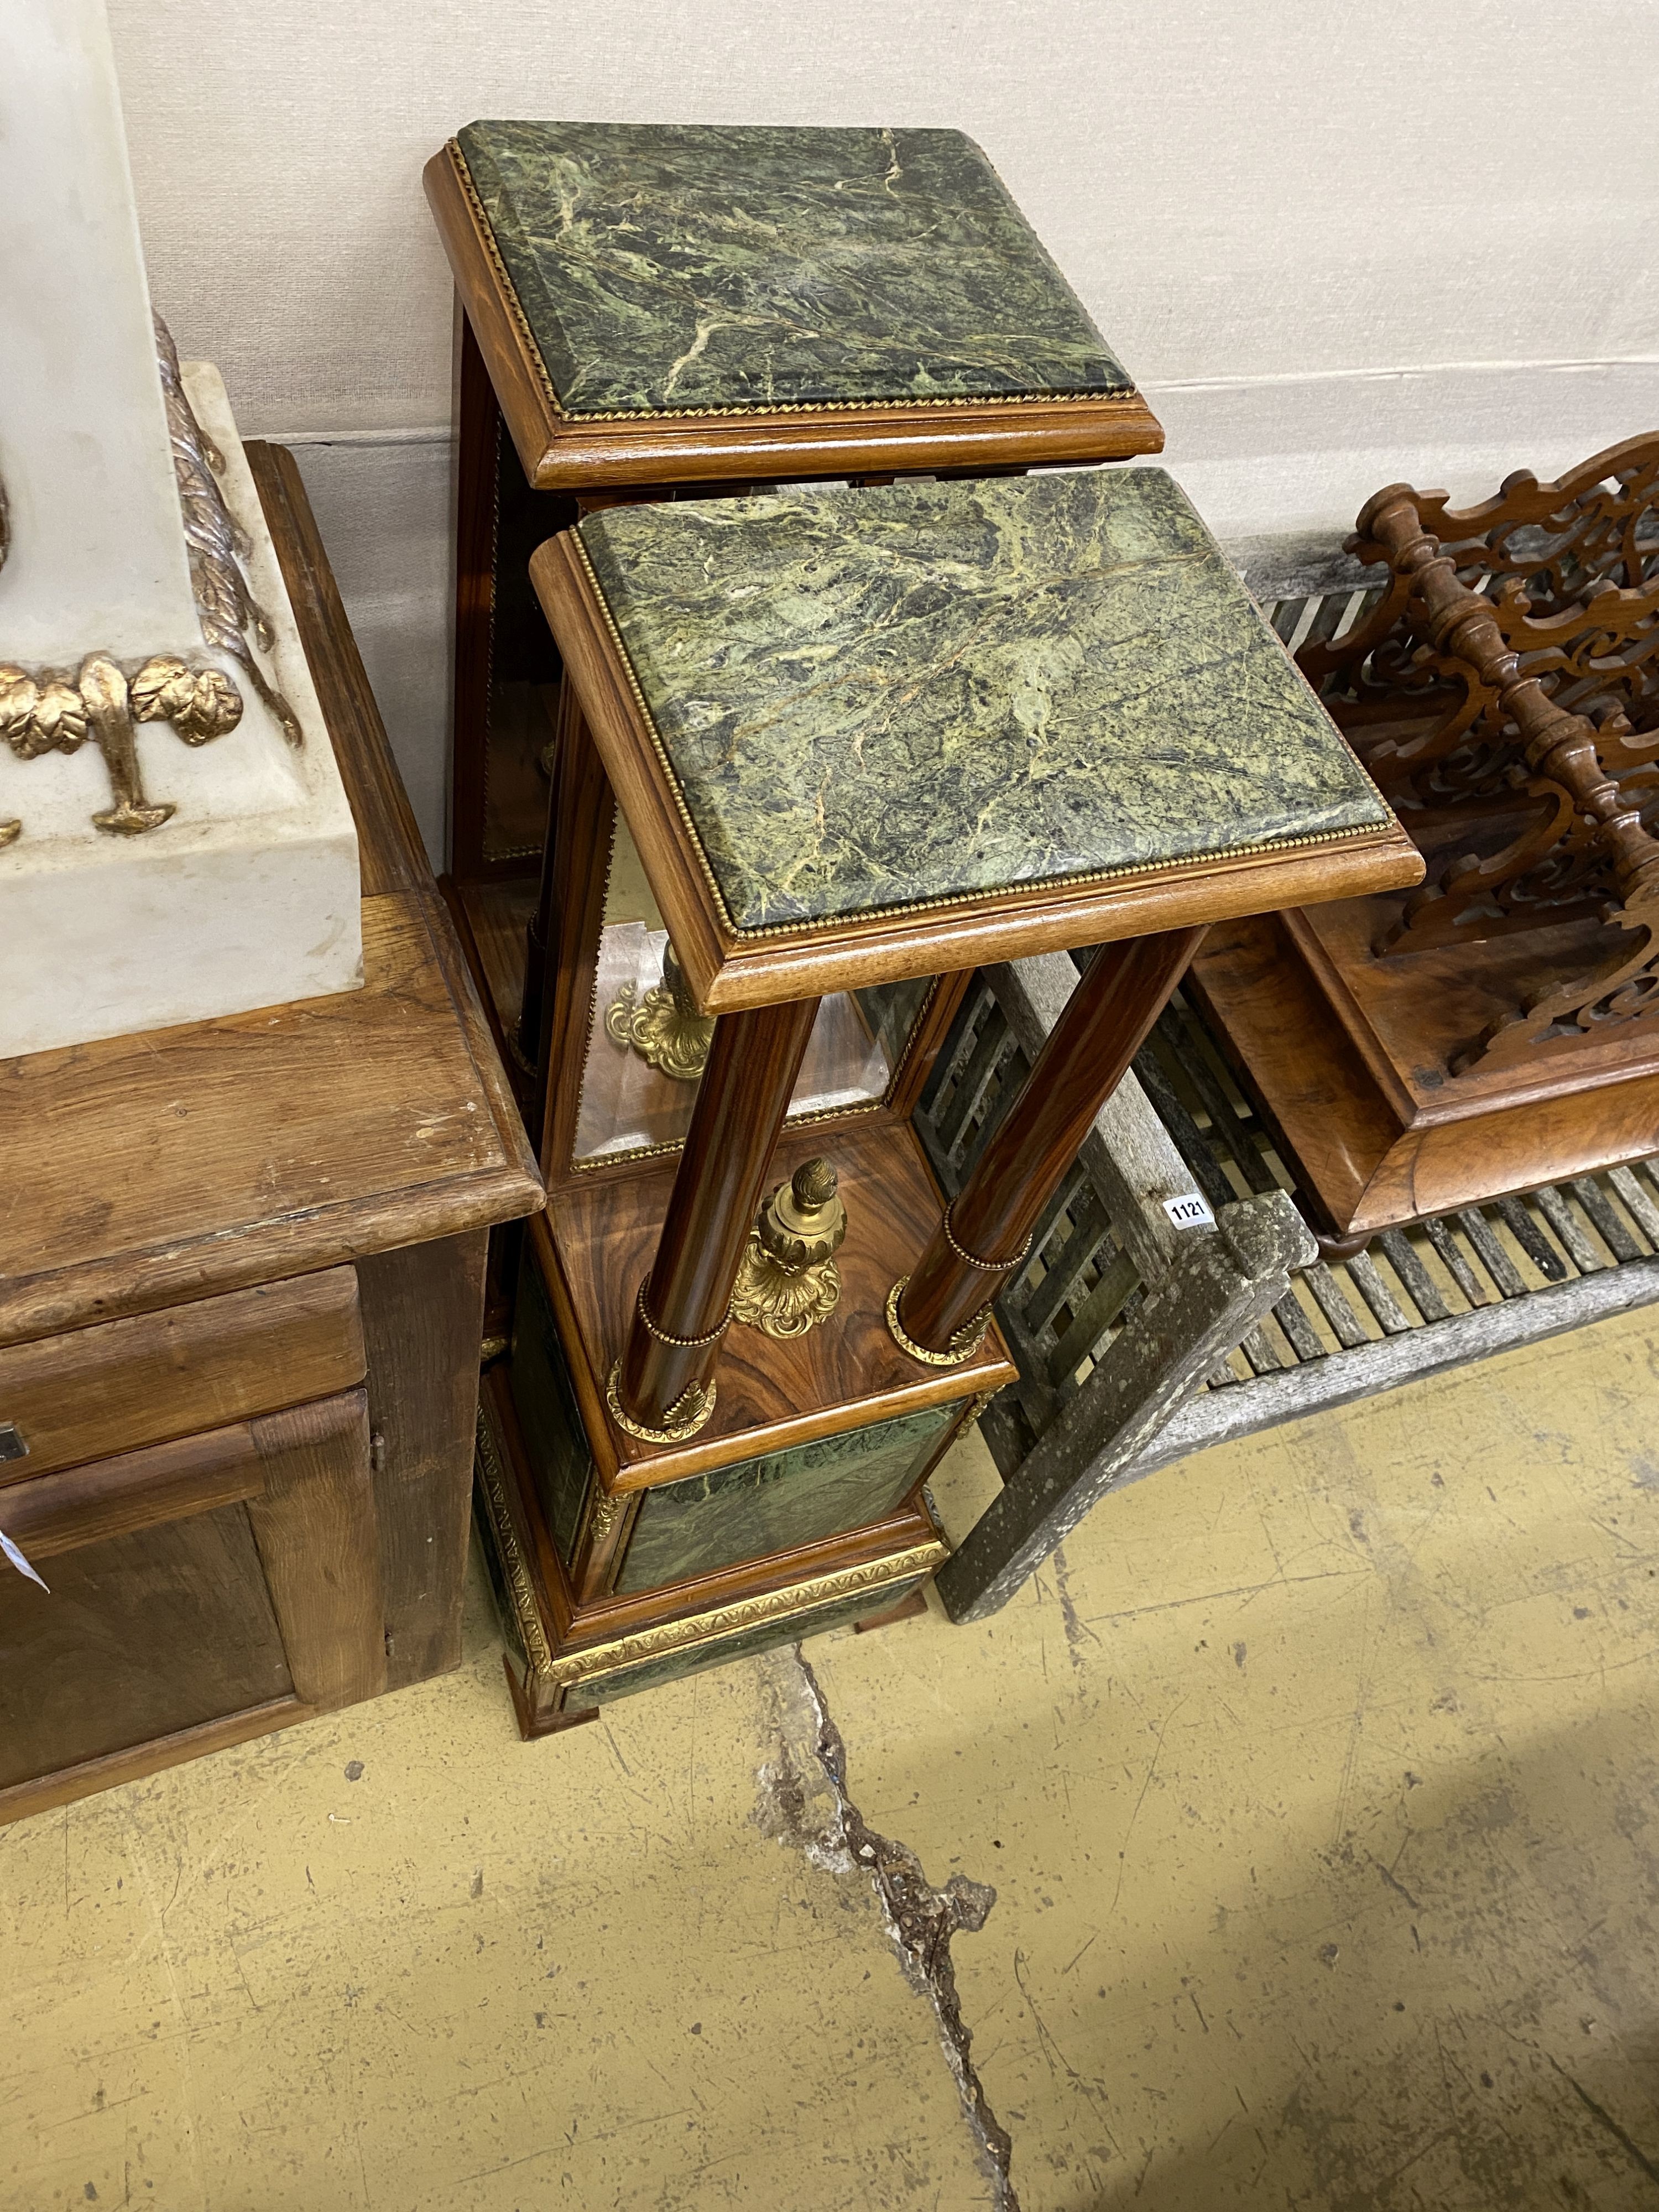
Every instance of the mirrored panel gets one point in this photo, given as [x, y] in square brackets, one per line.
[647, 1042]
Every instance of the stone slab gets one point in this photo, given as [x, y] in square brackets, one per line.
[871, 699]
[665, 268]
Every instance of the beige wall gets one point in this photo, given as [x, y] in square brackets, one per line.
[1337, 243]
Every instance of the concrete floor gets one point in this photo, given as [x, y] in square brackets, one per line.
[1294, 1841]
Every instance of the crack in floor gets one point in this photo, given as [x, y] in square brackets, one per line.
[921, 1919]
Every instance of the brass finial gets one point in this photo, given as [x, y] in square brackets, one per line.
[812, 1186]
[788, 1281]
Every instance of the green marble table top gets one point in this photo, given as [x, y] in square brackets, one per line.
[869, 699]
[672, 269]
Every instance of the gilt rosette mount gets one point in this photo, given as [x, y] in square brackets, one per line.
[788, 1281]
[664, 1026]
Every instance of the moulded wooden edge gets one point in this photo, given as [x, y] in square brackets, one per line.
[728, 970]
[562, 453]
[1365, 1165]
[115, 1767]
[327, 634]
[103, 1498]
[248, 1351]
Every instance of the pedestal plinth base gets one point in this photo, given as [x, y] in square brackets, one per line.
[620, 1564]
[242, 891]
[566, 1659]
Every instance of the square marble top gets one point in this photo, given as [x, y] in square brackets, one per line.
[870, 700]
[675, 268]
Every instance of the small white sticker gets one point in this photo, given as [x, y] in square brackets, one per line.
[1189, 1212]
[18, 1560]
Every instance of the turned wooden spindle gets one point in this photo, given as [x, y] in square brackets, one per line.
[1558, 745]
[681, 1310]
[983, 1236]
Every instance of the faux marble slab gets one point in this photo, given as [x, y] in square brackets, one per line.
[671, 268]
[874, 698]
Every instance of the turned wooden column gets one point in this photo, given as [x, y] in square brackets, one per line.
[682, 1309]
[983, 1236]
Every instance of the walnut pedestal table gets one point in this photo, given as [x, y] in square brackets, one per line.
[862, 740]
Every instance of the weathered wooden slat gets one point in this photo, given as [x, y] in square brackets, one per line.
[1531, 1240]
[1439, 1234]
[1391, 1317]
[1093, 1317]
[1303, 1338]
[1221, 1416]
[1192, 1147]
[1229, 1131]
[1572, 1239]
[974, 1080]
[1066, 1200]
[1640, 1207]
[1494, 1258]
[1418, 1283]
[1604, 1219]
[1260, 1356]
[1067, 1264]
[1333, 1302]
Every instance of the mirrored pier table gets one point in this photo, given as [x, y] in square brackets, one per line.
[669, 311]
[823, 751]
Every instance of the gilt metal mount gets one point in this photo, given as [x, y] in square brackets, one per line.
[664, 1027]
[788, 1281]
[50, 711]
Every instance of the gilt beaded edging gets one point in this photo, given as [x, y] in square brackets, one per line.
[1115, 400]
[972, 1259]
[682, 1343]
[1010, 892]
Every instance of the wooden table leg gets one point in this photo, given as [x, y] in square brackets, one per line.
[422, 1313]
[662, 1387]
[314, 1525]
[936, 1314]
